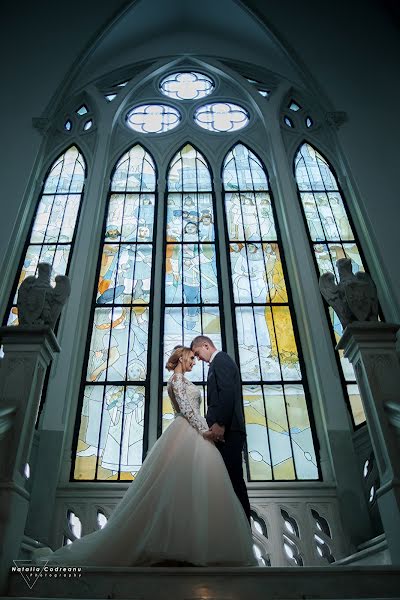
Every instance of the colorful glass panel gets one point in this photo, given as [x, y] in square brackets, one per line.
[191, 273]
[110, 441]
[186, 85]
[153, 118]
[221, 116]
[55, 221]
[280, 441]
[331, 237]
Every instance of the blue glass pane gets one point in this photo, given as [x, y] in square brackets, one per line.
[300, 431]
[189, 172]
[243, 171]
[186, 85]
[221, 116]
[312, 171]
[121, 432]
[254, 212]
[190, 218]
[135, 172]
[82, 110]
[191, 275]
[153, 118]
[279, 433]
[294, 106]
[67, 175]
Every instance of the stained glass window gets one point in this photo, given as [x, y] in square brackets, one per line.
[221, 116]
[55, 221]
[187, 85]
[191, 271]
[153, 118]
[294, 106]
[82, 110]
[331, 237]
[110, 440]
[279, 436]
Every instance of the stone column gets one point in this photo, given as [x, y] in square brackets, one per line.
[27, 353]
[370, 346]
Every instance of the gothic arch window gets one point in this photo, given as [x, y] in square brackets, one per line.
[191, 290]
[279, 436]
[119, 410]
[53, 229]
[331, 237]
[109, 443]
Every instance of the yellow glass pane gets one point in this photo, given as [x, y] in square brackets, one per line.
[257, 435]
[287, 347]
[356, 404]
[275, 276]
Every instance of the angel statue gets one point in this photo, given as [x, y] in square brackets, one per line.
[354, 298]
[38, 302]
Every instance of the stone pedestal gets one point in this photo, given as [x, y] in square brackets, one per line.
[27, 353]
[371, 349]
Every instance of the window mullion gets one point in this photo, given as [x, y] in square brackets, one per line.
[156, 349]
[226, 299]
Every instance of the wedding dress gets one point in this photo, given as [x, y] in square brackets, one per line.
[180, 508]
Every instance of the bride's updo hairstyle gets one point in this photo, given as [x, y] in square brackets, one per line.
[177, 353]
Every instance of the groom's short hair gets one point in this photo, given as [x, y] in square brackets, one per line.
[201, 339]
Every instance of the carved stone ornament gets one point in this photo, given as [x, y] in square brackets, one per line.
[336, 118]
[38, 302]
[354, 298]
[42, 124]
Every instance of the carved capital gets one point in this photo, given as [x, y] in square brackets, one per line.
[42, 124]
[336, 118]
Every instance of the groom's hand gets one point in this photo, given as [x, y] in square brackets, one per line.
[218, 432]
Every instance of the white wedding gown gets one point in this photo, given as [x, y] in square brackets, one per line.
[181, 506]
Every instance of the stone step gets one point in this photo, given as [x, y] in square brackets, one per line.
[271, 583]
[373, 552]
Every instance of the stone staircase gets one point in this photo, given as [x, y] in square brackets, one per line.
[271, 583]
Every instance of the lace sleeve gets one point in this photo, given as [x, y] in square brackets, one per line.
[185, 406]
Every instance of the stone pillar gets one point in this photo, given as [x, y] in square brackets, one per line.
[27, 353]
[370, 346]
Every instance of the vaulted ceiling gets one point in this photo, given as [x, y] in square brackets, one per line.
[155, 28]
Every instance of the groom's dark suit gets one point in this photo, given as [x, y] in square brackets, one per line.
[225, 407]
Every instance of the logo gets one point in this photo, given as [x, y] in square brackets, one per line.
[31, 572]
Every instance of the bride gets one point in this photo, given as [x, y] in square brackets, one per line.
[181, 508]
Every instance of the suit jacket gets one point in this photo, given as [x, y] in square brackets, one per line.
[224, 394]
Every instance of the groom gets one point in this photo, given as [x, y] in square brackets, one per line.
[225, 411]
